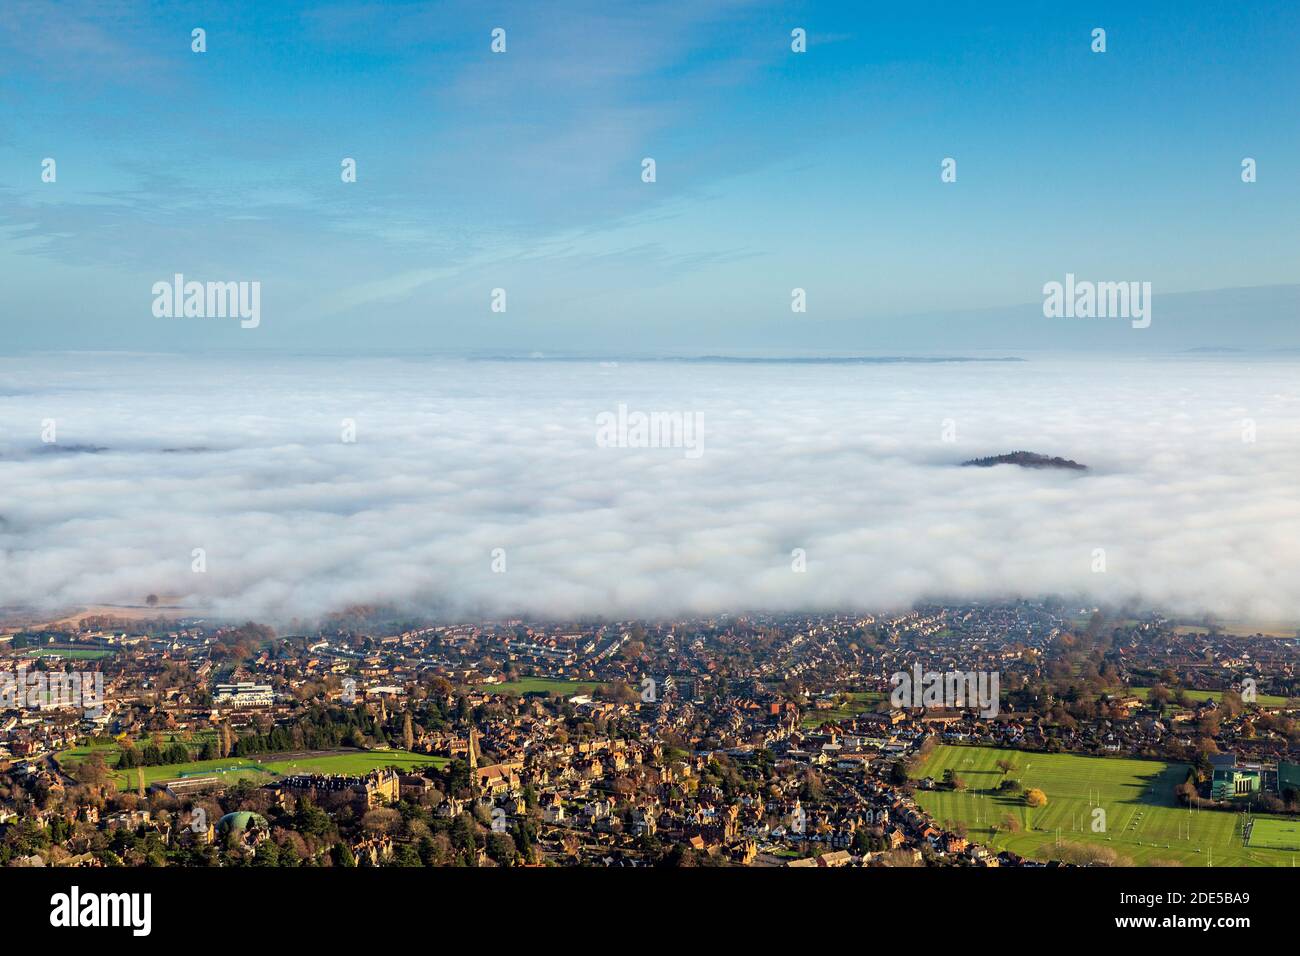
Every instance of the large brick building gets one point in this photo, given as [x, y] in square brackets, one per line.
[372, 789]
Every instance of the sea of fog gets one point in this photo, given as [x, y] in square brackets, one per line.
[302, 485]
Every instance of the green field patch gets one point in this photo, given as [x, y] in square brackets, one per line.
[541, 685]
[232, 769]
[860, 702]
[1197, 696]
[70, 653]
[69, 759]
[1143, 822]
[1244, 628]
[228, 769]
[361, 762]
[1275, 833]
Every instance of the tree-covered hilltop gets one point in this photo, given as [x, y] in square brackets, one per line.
[1026, 459]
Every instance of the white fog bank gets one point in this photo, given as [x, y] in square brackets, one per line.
[244, 458]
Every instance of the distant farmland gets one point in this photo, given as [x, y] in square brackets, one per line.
[1144, 824]
[1268, 629]
[1245, 629]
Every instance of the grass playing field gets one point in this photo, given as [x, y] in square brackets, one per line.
[231, 769]
[859, 703]
[1264, 700]
[70, 653]
[1144, 825]
[542, 685]
[357, 763]
[228, 769]
[1275, 833]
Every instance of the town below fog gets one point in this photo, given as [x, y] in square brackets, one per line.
[760, 740]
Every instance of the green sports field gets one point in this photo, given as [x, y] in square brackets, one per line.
[228, 769]
[357, 763]
[70, 653]
[859, 703]
[541, 685]
[232, 769]
[1275, 833]
[1144, 825]
[1263, 700]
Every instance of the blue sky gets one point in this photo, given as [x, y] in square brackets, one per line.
[522, 171]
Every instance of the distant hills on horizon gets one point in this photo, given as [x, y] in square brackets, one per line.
[1025, 459]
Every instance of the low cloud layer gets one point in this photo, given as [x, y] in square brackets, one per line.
[244, 458]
